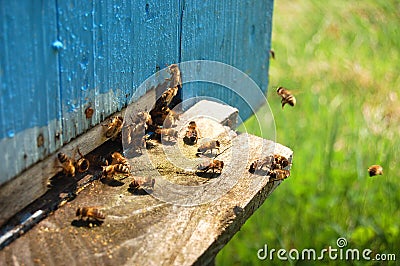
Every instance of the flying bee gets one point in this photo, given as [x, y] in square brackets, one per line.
[117, 158]
[279, 174]
[167, 132]
[110, 170]
[90, 213]
[272, 53]
[375, 170]
[114, 127]
[287, 97]
[209, 145]
[211, 164]
[192, 133]
[140, 182]
[67, 164]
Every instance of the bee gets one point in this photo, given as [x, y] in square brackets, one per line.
[67, 164]
[168, 132]
[259, 164]
[272, 53]
[287, 97]
[82, 164]
[168, 95]
[192, 133]
[170, 119]
[210, 145]
[279, 174]
[90, 213]
[271, 162]
[139, 182]
[114, 127]
[211, 164]
[280, 162]
[117, 158]
[115, 169]
[175, 75]
[375, 170]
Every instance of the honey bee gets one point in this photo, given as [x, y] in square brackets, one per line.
[67, 164]
[170, 119]
[112, 169]
[168, 95]
[209, 145]
[272, 53]
[175, 75]
[117, 158]
[211, 164]
[259, 164]
[375, 170]
[167, 132]
[90, 213]
[114, 127]
[280, 162]
[279, 174]
[139, 182]
[82, 164]
[192, 133]
[271, 162]
[287, 97]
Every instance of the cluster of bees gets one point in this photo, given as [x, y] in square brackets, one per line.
[159, 124]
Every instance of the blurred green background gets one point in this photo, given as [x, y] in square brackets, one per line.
[342, 58]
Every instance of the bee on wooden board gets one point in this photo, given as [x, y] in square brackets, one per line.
[287, 96]
[167, 132]
[279, 174]
[260, 163]
[175, 75]
[170, 119]
[274, 167]
[192, 133]
[374, 170]
[114, 127]
[112, 169]
[214, 165]
[69, 165]
[140, 182]
[117, 158]
[209, 145]
[90, 213]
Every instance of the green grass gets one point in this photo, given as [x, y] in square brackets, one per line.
[343, 59]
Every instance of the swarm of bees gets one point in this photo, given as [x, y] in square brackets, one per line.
[274, 167]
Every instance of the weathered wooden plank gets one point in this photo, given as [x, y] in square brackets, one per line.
[29, 95]
[237, 33]
[110, 48]
[141, 229]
